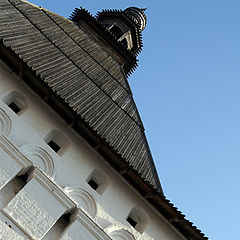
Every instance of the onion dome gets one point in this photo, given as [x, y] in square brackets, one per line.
[138, 16]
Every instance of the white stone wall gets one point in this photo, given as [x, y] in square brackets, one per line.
[102, 213]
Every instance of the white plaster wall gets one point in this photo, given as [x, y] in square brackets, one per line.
[71, 170]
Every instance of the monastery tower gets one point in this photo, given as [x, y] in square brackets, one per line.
[74, 159]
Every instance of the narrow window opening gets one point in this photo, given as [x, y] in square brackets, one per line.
[124, 42]
[16, 102]
[116, 31]
[54, 146]
[106, 25]
[98, 181]
[131, 221]
[58, 141]
[14, 107]
[138, 219]
[93, 184]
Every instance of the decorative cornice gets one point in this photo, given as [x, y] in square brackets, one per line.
[39, 158]
[5, 123]
[83, 199]
[52, 188]
[9, 148]
[82, 218]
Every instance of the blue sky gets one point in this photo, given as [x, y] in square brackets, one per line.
[187, 90]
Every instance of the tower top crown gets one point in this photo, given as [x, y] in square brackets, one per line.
[119, 30]
[138, 16]
[126, 25]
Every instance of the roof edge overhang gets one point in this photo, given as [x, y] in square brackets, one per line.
[152, 195]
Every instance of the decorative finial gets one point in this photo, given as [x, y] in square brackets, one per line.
[138, 16]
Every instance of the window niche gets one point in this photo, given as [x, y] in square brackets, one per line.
[138, 219]
[16, 102]
[98, 181]
[117, 31]
[57, 141]
[124, 42]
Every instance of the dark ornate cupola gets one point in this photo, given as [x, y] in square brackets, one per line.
[126, 26]
[119, 30]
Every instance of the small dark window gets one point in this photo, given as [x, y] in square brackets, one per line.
[14, 107]
[106, 24]
[16, 102]
[132, 222]
[54, 146]
[138, 219]
[93, 184]
[58, 141]
[116, 31]
[98, 181]
[124, 42]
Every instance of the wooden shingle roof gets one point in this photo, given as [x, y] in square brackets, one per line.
[88, 81]
[83, 74]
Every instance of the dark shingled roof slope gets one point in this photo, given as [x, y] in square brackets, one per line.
[83, 74]
[92, 85]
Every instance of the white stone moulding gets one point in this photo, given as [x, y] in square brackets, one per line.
[119, 233]
[39, 157]
[5, 123]
[12, 151]
[85, 229]
[83, 199]
[38, 205]
[56, 191]
[29, 215]
[7, 233]
[12, 162]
